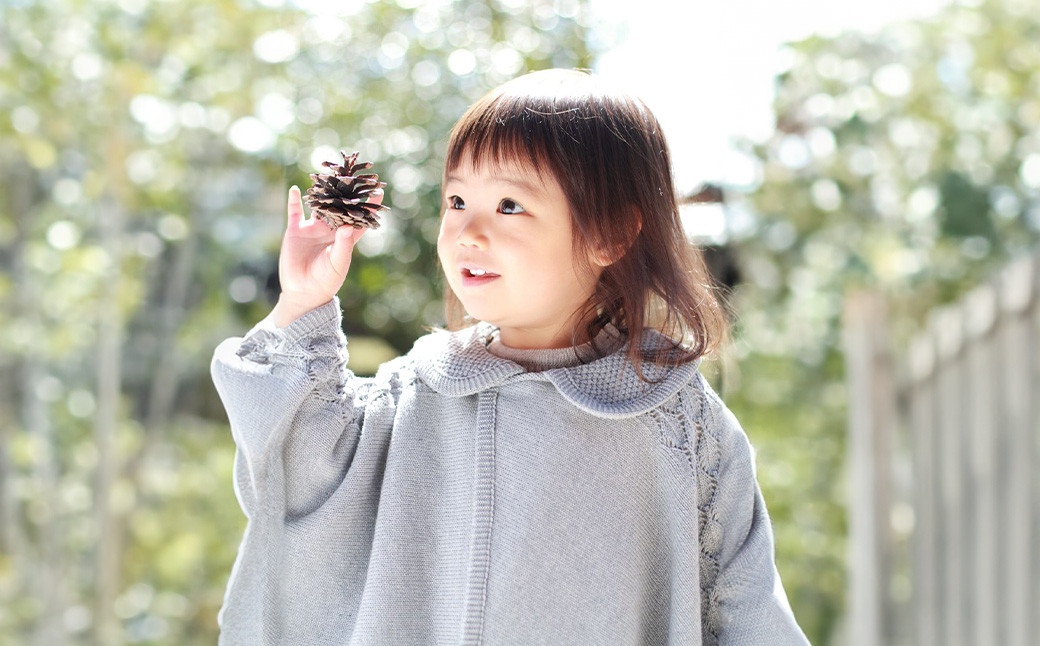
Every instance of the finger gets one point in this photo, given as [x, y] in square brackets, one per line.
[295, 207]
[376, 196]
[341, 249]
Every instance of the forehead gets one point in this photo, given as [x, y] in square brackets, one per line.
[524, 173]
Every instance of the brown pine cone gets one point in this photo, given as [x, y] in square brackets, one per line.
[341, 197]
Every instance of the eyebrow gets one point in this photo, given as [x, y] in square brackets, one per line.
[517, 182]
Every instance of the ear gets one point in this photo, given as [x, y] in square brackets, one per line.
[606, 256]
[601, 258]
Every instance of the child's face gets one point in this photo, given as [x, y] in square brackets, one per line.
[513, 224]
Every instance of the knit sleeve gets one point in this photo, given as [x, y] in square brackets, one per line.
[747, 602]
[294, 408]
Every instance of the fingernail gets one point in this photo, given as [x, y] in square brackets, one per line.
[294, 187]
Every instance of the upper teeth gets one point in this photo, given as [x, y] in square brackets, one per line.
[478, 272]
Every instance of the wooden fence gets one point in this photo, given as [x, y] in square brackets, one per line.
[944, 441]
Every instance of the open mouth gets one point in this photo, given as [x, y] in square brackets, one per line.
[477, 273]
[472, 277]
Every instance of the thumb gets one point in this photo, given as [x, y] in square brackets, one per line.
[376, 196]
[343, 247]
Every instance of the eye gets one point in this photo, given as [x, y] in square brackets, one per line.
[510, 207]
[457, 203]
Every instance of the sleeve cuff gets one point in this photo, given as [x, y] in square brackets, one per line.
[318, 318]
[267, 339]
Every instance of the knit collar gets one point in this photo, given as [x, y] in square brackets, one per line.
[459, 364]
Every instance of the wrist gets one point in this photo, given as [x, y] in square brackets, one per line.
[290, 307]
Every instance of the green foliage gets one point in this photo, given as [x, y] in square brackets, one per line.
[906, 161]
[146, 150]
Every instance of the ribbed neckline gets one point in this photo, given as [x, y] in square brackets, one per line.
[607, 341]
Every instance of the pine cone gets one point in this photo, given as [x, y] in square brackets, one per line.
[342, 197]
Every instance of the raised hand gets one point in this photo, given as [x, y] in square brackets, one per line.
[313, 262]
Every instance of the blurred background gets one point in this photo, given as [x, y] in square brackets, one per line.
[823, 150]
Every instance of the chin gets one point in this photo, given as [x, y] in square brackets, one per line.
[486, 317]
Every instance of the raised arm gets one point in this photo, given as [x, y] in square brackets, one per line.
[293, 406]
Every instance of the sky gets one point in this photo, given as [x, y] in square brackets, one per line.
[706, 68]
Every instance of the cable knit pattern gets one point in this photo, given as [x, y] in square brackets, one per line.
[457, 496]
[680, 422]
[311, 345]
[708, 459]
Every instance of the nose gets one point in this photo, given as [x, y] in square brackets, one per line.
[473, 233]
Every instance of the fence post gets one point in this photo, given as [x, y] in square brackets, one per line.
[983, 580]
[947, 325]
[872, 414]
[1017, 296]
[924, 439]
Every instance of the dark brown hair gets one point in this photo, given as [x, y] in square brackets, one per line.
[607, 152]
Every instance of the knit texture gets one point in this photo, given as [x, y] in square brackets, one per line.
[458, 498]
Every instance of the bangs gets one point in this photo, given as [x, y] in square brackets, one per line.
[511, 129]
[565, 124]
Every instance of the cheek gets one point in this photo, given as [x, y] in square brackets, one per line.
[444, 238]
[443, 235]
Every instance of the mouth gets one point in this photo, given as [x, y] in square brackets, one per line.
[476, 273]
[472, 276]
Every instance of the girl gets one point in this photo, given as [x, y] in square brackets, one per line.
[553, 470]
